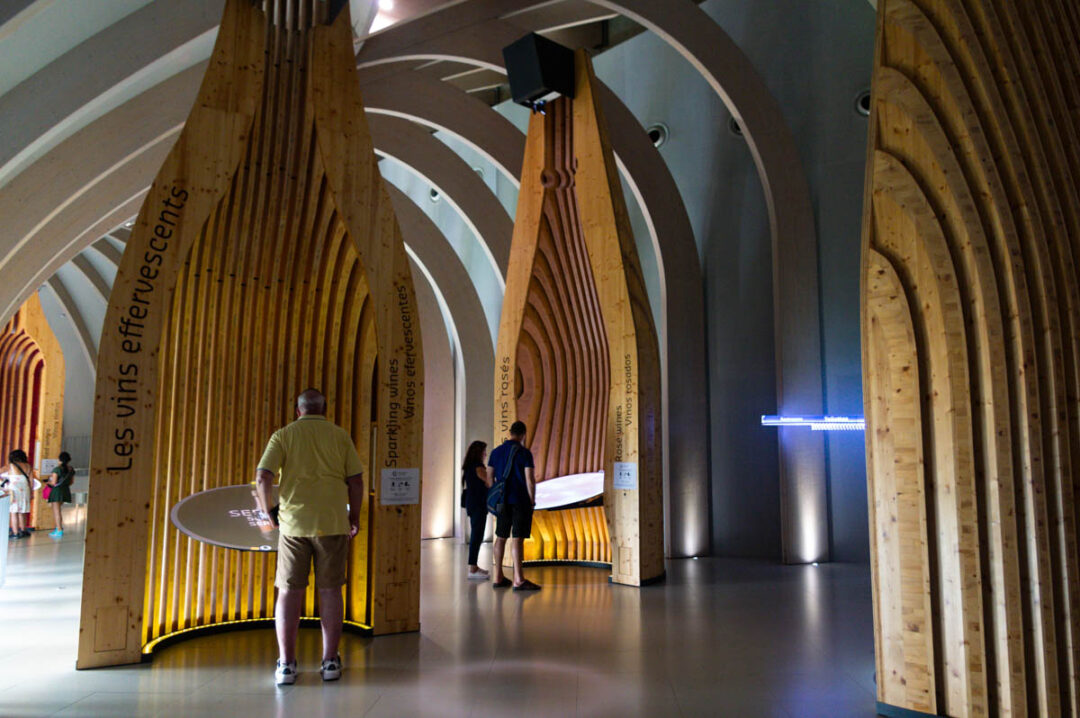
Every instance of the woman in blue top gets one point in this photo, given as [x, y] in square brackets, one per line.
[474, 501]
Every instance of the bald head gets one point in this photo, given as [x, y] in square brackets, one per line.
[311, 402]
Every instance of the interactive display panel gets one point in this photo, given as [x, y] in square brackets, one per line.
[569, 491]
[226, 517]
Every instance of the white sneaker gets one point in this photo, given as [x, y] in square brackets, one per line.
[331, 669]
[480, 575]
[285, 673]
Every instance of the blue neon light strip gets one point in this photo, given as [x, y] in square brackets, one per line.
[817, 423]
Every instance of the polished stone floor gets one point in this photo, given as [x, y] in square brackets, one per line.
[718, 638]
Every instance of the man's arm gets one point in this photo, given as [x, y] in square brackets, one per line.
[356, 501]
[530, 484]
[264, 491]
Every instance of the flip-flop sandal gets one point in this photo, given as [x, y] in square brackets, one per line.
[503, 583]
[526, 586]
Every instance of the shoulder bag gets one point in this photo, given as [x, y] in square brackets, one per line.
[495, 493]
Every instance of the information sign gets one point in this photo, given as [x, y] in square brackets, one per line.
[626, 475]
[400, 487]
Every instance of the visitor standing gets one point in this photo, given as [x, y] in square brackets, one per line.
[512, 463]
[474, 501]
[59, 482]
[20, 484]
[320, 493]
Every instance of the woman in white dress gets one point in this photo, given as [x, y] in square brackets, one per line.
[18, 477]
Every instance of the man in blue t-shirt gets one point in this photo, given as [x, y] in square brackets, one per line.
[516, 510]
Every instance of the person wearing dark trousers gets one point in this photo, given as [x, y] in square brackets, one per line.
[474, 490]
[512, 463]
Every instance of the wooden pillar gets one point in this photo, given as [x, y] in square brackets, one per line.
[266, 259]
[971, 356]
[577, 332]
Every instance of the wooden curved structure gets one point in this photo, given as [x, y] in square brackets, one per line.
[577, 356]
[971, 356]
[266, 259]
[31, 395]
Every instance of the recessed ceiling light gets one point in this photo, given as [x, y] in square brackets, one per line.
[658, 134]
[386, 5]
[862, 103]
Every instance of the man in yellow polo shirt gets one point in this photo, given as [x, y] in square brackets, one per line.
[320, 496]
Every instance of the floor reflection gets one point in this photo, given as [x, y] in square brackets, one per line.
[717, 638]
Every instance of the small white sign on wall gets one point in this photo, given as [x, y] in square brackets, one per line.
[399, 487]
[626, 475]
[47, 466]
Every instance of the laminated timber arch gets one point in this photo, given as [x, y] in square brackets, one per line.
[577, 356]
[266, 258]
[31, 394]
[971, 361]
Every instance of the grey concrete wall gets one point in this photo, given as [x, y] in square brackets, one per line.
[815, 56]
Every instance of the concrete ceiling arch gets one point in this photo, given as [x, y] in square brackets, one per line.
[74, 317]
[92, 275]
[440, 166]
[469, 326]
[138, 51]
[416, 97]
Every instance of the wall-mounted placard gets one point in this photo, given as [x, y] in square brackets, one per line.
[399, 487]
[626, 475]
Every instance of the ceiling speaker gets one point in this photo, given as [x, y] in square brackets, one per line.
[540, 70]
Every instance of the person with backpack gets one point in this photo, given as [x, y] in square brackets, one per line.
[59, 491]
[513, 489]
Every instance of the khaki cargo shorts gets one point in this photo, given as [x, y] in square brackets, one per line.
[331, 554]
